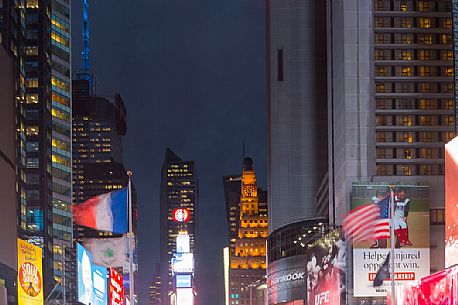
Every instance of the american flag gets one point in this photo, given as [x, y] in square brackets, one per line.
[368, 222]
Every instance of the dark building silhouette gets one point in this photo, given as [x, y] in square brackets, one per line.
[179, 189]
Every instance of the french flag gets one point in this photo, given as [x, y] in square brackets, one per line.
[106, 212]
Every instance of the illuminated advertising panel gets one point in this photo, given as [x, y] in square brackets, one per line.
[287, 280]
[92, 280]
[183, 263]
[183, 281]
[326, 269]
[411, 227]
[183, 243]
[184, 296]
[181, 215]
[115, 287]
[30, 274]
[451, 203]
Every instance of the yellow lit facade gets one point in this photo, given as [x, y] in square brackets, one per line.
[248, 261]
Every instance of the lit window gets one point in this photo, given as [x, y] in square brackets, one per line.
[406, 71]
[32, 130]
[424, 23]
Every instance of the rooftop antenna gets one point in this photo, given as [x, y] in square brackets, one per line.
[85, 73]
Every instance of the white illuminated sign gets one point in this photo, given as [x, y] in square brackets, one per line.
[185, 296]
[183, 281]
[183, 263]
[183, 243]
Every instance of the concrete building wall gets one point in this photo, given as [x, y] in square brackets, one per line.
[350, 96]
[296, 60]
[8, 249]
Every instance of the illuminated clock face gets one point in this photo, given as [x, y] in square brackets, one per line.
[249, 190]
[181, 215]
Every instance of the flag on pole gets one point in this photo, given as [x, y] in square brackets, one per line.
[365, 223]
[106, 212]
[383, 272]
[107, 252]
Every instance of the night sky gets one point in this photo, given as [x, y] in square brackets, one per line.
[192, 77]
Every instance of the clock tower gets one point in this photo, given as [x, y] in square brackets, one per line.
[248, 261]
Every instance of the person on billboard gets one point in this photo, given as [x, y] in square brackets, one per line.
[378, 200]
[401, 229]
[87, 296]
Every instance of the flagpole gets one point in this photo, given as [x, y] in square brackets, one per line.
[131, 235]
[392, 244]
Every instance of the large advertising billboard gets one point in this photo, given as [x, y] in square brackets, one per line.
[451, 203]
[411, 227]
[30, 274]
[183, 263]
[184, 296]
[286, 280]
[115, 288]
[326, 270]
[92, 279]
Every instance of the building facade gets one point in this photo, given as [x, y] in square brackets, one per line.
[9, 90]
[297, 121]
[43, 118]
[179, 212]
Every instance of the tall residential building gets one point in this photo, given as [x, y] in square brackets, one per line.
[297, 122]
[179, 211]
[232, 188]
[247, 261]
[43, 117]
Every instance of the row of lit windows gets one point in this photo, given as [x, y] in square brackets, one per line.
[422, 104]
[410, 137]
[412, 5]
[420, 54]
[398, 87]
[412, 22]
[410, 38]
[414, 71]
[415, 120]
[409, 170]
[404, 153]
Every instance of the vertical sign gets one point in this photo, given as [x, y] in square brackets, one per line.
[30, 274]
[116, 289]
[451, 203]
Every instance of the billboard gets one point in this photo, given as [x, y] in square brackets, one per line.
[92, 279]
[183, 281]
[184, 296]
[183, 263]
[30, 274]
[286, 280]
[451, 203]
[183, 243]
[411, 227]
[326, 270]
[115, 288]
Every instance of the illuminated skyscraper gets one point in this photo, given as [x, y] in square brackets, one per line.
[179, 202]
[247, 259]
[43, 116]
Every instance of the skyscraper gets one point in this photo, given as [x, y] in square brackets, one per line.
[43, 116]
[247, 252]
[179, 212]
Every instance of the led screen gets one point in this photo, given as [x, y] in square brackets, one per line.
[185, 296]
[183, 263]
[183, 281]
[183, 244]
[115, 287]
[92, 280]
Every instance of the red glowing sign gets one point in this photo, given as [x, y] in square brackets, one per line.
[116, 290]
[181, 215]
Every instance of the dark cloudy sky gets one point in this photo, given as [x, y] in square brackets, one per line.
[191, 73]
